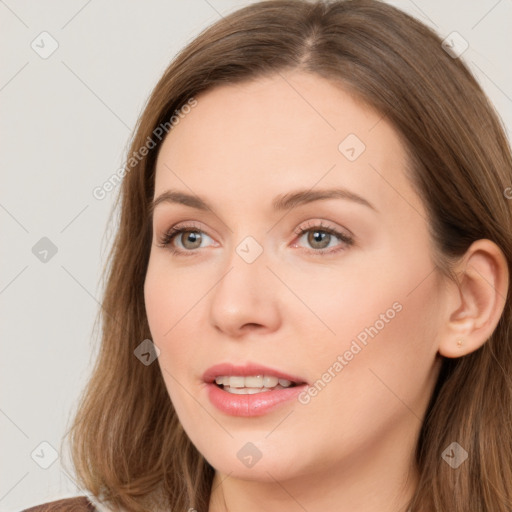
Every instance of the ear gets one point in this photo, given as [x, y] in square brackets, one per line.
[476, 305]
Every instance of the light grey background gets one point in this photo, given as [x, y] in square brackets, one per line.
[65, 124]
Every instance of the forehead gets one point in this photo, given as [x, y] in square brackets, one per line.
[286, 131]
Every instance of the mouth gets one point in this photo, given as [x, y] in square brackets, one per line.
[252, 384]
[250, 390]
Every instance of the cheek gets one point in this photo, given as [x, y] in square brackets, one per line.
[168, 308]
[375, 331]
[379, 386]
[168, 294]
[165, 302]
[383, 355]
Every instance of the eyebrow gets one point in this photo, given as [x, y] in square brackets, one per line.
[281, 202]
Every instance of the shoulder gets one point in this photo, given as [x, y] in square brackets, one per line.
[76, 504]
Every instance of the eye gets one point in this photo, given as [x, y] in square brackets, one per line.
[319, 238]
[193, 239]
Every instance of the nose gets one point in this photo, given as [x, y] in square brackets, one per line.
[246, 299]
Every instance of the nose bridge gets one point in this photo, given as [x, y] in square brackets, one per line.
[246, 272]
[250, 250]
[245, 294]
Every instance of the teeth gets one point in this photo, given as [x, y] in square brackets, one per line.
[236, 382]
[254, 382]
[251, 383]
[269, 381]
[249, 391]
[246, 391]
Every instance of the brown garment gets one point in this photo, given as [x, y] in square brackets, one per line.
[77, 504]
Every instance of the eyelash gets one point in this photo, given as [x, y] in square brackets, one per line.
[168, 237]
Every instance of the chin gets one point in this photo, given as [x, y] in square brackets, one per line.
[260, 460]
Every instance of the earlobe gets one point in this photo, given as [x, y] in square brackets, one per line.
[478, 302]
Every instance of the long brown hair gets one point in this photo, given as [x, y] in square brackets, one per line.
[126, 440]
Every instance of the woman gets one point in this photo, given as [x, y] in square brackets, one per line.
[307, 305]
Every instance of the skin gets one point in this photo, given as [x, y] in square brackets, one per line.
[350, 448]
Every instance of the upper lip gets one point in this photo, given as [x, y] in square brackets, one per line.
[228, 369]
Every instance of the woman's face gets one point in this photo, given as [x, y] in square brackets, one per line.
[350, 318]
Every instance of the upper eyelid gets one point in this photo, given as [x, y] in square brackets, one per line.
[310, 224]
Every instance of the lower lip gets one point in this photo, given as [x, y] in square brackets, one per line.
[257, 404]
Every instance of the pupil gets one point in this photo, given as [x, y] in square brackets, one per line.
[319, 237]
[193, 237]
